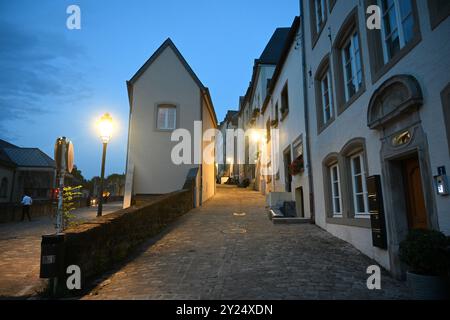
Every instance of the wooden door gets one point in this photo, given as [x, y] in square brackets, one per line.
[415, 204]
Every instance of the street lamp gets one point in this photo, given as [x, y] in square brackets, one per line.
[105, 127]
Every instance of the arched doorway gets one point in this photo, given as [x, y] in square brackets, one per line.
[406, 173]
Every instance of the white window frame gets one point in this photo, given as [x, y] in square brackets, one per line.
[355, 53]
[399, 27]
[329, 89]
[362, 174]
[166, 126]
[335, 194]
[322, 13]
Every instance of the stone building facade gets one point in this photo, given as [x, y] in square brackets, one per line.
[371, 108]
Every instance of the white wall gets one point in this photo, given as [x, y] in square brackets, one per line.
[433, 77]
[293, 126]
[165, 81]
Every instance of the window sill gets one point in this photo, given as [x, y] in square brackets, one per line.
[165, 130]
[351, 222]
[316, 35]
[362, 216]
[284, 115]
[391, 63]
[323, 126]
[355, 97]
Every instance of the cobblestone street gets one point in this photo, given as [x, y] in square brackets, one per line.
[20, 249]
[211, 253]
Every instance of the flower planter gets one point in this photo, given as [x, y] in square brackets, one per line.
[297, 166]
[427, 287]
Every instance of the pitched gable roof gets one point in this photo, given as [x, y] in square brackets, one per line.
[157, 53]
[154, 56]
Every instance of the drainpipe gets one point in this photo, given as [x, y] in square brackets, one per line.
[305, 101]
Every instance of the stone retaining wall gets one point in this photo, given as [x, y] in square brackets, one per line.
[97, 245]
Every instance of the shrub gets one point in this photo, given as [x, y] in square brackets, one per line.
[426, 252]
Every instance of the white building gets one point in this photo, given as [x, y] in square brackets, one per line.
[164, 95]
[251, 104]
[227, 165]
[284, 111]
[378, 107]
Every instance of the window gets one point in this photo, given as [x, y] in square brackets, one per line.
[335, 190]
[351, 62]
[284, 101]
[276, 113]
[167, 117]
[320, 14]
[359, 185]
[399, 34]
[324, 94]
[298, 148]
[4, 188]
[327, 97]
[397, 26]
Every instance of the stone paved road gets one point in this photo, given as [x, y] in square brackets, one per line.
[212, 254]
[20, 249]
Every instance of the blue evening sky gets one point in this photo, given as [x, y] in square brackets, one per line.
[56, 82]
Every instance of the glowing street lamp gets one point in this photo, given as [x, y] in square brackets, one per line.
[105, 127]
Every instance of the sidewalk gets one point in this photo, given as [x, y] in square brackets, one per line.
[20, 245]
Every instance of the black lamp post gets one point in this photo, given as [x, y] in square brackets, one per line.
[105, 126]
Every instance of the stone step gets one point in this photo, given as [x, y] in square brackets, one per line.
[283, 220]
[278, 218]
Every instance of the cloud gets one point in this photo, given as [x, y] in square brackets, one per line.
[39, 70]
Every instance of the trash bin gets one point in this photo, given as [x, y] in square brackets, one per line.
[52, 256]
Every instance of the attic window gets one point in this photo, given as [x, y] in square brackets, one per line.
[284, 102]
[166, 117]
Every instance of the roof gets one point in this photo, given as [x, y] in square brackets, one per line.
[274, 47]
[28, 157]
[157, 53]
[231, 116]
[283, 56]
[6, 144]
[154, 56]
[270, 55]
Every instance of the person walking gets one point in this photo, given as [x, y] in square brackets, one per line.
[26, 205]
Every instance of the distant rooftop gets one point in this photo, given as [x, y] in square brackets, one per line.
[274, 48]
[6, 144]
[24, 157]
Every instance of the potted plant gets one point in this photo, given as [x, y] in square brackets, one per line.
[427, 255]
[297, 166]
